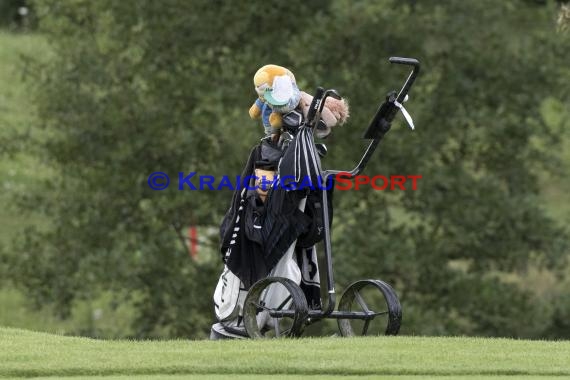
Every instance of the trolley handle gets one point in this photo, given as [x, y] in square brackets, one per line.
[387, 111]
[411, 78]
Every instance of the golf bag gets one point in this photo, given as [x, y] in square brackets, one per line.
[272, 238]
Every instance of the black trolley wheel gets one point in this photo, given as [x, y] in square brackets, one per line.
[383, 308]
[293, 304]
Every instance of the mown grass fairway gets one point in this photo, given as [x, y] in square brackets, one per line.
[31, 354]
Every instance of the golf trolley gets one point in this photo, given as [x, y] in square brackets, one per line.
[367, 307]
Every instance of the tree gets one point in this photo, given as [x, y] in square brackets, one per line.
[477, 106]
[564, 17]
[139, 87]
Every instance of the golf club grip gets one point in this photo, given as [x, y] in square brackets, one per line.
[405, 61]
[315, 104]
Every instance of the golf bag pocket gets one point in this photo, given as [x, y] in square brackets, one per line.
[228, 296]
[314, 210]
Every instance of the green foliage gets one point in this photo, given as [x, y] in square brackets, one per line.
[16, 15]
[101, 318]
[477, 105]
[564, 17]
[8, 11]
[145, 86]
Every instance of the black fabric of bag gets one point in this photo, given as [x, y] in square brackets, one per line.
[283, 224]
[254, 215]
[301, 161]
[251, 252]
[263, 154]
[270, 152]
[310, 285]
[262, 233]
[244, 256]
[314, 211]
[227, 225]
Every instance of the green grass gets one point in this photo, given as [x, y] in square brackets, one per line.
[30, 354]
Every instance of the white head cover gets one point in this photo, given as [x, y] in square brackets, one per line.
[282, 91]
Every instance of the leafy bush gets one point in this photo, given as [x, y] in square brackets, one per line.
[145, 86]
